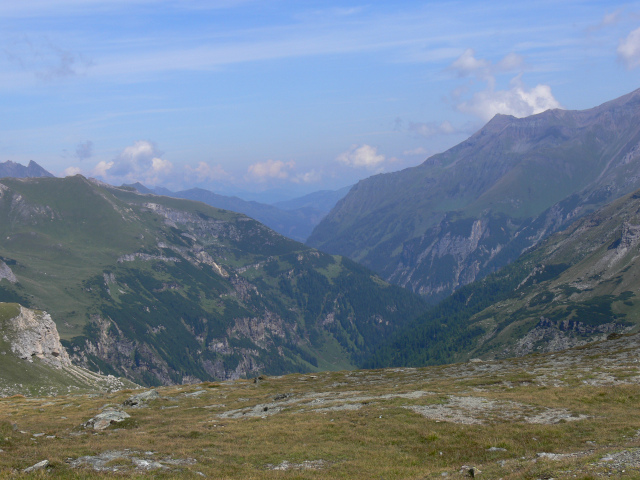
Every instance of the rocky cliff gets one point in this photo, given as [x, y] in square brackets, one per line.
[32, 334]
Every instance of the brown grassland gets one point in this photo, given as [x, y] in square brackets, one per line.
[583, 405]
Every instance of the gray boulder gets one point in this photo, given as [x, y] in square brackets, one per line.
[106, 418]
[141, 398]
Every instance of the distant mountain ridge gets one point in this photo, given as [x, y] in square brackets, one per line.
[476, 207]
[12, 169]
[294, 218]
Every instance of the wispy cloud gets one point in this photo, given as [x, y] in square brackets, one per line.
[269, 170]
[431, 129]
[205, 172]
[45, 59]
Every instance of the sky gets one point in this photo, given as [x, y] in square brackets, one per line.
[248, 96]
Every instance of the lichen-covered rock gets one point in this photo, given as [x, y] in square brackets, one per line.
[33, 333]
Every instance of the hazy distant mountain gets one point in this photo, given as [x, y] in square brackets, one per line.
[463, 213]
[12, 169]
[322, 200]
[577, 286]
[295, 222]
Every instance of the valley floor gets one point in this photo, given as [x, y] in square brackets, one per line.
[572, 414]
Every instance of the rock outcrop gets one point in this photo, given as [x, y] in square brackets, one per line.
[33, 333]
[6, 273]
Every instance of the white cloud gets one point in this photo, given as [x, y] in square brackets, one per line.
[140, 162]
[271, 169]
[361, 156]
[629, 49]
[71, 171]
[102, 168]
[518, 101]
[205, 172]
[468, 64]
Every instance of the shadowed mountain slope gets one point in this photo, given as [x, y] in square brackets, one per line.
[476, 207]
[579, 285]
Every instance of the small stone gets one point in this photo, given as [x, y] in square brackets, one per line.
[38, 435]
[37, 466]
[496, 449]
[469, 471]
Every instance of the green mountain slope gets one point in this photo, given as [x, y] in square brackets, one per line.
[465, 212]
[579, 285]
[163, 290]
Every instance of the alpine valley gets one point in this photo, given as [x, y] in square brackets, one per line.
[162, 290]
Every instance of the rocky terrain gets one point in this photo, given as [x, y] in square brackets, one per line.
[466, 212]
[569, 414]
[34, 362]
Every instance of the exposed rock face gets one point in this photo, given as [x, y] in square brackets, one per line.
[34, 334]
[549, 336]
[6, 273]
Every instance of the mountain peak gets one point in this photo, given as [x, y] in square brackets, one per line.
[12, 169]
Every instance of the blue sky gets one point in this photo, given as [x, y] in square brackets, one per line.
[295, 95]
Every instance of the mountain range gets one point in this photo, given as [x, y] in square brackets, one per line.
[466, 212]
[165, 290]
[293, 218]
[12, 169]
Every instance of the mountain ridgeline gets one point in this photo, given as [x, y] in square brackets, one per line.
[162, 290]
[579, 285]
[15, 170]
[294, 218]
[466, 212]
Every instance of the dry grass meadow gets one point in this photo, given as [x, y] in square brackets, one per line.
[573, 414]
